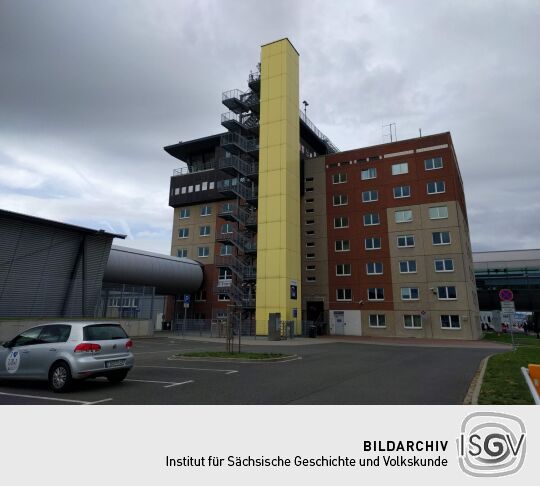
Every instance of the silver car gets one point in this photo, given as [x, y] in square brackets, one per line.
[66, 351]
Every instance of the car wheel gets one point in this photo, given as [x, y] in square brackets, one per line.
[60, 377]
[117, 376]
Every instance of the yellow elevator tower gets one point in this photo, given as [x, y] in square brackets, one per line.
[278, 232]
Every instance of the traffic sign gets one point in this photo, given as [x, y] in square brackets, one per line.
[506, 295]
[508, 307]
[187, 298]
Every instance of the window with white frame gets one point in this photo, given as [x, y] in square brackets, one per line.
[343, 269]
[206, 210]
[342, 245]
[370, 196]
[311, 267]
[405, 241]
[184, 213]
[401, 168]
[310, 256]
[450, 321]
[377, 320]
[227, 208]
[176, 191]
[204, 186]
[200, 296]
[190, 189]
[182, 252]
[223, 297]
[343, 294]
[203, 251]
[311, 278]
[211, 185]
[183, 232]
[433, 163]
[184, 190]
[373, 243]
[404, 216]
[412, 321]
[310, 210]
[197, 187]
[435, 187]
[375, 293]
[226, 250]
[438, 212]
[446, 292]
[374, 268]
[310, 244]
[402, 191]
[371, 219]
[310, 221]
[441, 237]
[204, 230]
[407, 266]
[339, 178]
[340, 200]
[409, 293]
[226, 228]
[367, 174]
[341, 222]
[444, 265]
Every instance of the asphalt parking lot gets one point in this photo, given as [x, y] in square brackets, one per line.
[329, 373]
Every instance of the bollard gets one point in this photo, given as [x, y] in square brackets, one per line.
[534, 373]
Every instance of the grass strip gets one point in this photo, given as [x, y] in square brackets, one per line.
[223, 354]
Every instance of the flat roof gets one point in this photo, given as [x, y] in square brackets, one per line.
[506, 256]
[182, 150]
[49, 222]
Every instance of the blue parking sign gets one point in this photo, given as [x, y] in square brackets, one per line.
[187, 298]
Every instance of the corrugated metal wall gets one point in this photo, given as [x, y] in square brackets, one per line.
[41, 270]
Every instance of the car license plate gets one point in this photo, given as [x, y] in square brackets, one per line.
[115, 364]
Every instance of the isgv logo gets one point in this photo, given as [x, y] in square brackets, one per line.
[491, 444]
[13, 361]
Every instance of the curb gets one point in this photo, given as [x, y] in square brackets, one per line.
[471, 398]
[289, 357]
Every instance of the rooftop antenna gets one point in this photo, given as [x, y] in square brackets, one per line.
[420, 130]
[306, 104]
[391, 133]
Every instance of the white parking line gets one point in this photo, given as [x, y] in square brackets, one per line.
[168, 351]
[169, 384]
[227, 372]
[37, 397]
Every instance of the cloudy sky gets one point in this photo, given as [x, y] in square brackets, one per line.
[90, 92]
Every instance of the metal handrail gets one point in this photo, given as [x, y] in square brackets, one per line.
[317, 132]
[244, 167]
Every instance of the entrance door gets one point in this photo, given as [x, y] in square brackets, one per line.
[339, 323]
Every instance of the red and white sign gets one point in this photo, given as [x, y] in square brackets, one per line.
[506, 295]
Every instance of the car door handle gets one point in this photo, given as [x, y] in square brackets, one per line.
[52, 349]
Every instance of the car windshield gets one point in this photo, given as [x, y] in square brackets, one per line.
[103, 332]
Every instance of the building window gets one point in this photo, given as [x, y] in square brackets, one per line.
[310, 255]
[310, 267]
[184, 213]
[340, 200]
[343, 294]
[310, 221]
[197, 187]
[182, 252]
[377, 320]
[449, 321]
[404, 216]
[200, 296]
[310, 233]
[371, 219]
[203, 251]
[226, 250]
[309, 189]
[407, 266]
[412, 321]
[405, 241]
[367, 174]
[438, 212]
[183, 233]
[342, 245]
[373, 243]
[206, 210]
[308, 179]
[446, 293]
[402, 168]
[433, 163]
[402, 191]
[310, 210]
[204, 231]
[223, 297]
[226, 229]
[176, 191]
[204, 186]
[184, 190]
[370, 196]
[311, 279]
[309, 200]
[374, 268]
[310, 244]
[341, 222]
[190, 189]
[435, 187]
[343, 269]
[375, 294]
[444, 265]
[339, 178]
[227, 208]
[441, 238]
[409, 293]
